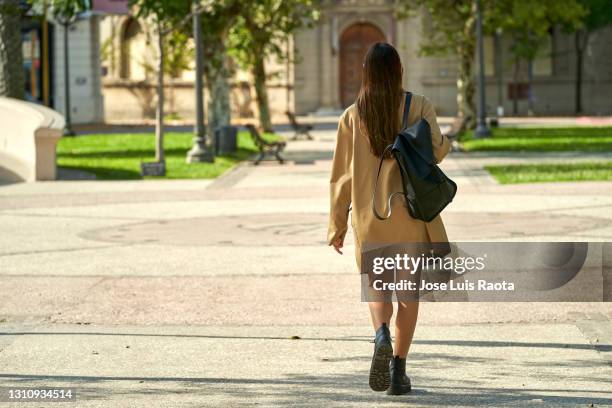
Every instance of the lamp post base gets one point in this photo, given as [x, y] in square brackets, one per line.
[199, 153]
[68, 132]
[482, 131]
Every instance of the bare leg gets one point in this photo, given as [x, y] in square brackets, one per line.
[381, 313]
[405, 323]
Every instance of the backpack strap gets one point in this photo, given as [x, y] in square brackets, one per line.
[406, 110]
[388, 213]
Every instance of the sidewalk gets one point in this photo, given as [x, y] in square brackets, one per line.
[541, 365]
[207, 281]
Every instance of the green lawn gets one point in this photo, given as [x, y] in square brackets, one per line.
[537, 173]
[118, 156]
[591, 139]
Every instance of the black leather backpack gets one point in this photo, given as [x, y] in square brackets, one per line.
[427, 190]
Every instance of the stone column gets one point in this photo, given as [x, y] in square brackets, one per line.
[326, 98]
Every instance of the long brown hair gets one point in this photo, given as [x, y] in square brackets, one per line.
[380, 95]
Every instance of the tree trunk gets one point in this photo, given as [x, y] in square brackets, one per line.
[259, 74]
[515, 86]
[217, 81]
[219, 104]
[580, 46]
[530, 98]
[159, 114]
[466, 86]
[466, 89]
[11, 72]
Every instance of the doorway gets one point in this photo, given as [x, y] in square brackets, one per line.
[354, 44]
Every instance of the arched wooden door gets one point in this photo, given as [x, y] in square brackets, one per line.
[354, 44]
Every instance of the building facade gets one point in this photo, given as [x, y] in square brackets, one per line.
[330, 56]
[129, 59]
[86, 99]
[43, 53]
[327, 59]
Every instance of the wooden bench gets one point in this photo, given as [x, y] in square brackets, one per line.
[265, 147]
[299, 128]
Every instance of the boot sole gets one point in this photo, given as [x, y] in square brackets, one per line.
[380, 378]
[398, 390]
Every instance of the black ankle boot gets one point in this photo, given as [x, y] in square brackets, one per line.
[383, 352]
[400, 383]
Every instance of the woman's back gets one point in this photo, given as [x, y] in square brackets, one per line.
[354, 172]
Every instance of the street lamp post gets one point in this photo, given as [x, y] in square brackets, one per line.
[500, 72]
[482, 130]
[68, 127]
[65, 14]
[199, 152]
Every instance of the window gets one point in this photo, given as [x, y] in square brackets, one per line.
[131, 32]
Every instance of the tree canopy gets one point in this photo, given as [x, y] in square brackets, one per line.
[261, 30]
[529, 22]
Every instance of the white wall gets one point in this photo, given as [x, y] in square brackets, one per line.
[29, 133]
[84, 54]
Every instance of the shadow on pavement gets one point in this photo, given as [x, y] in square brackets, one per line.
[311, 390]
[458, 343]
[308, 155]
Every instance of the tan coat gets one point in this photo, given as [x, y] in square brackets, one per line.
[352, 178]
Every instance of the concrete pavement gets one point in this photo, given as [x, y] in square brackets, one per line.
[188, 293]
[535, 365]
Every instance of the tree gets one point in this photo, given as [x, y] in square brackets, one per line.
[598, 14]
[450, 29]
[178, 57]
[11, 73]
[260, 31]
[216, 25]
[529, 23]
[164, 15]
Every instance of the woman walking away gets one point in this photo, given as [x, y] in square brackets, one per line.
[365, 129]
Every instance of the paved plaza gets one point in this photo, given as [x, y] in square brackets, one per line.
[224, 293]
